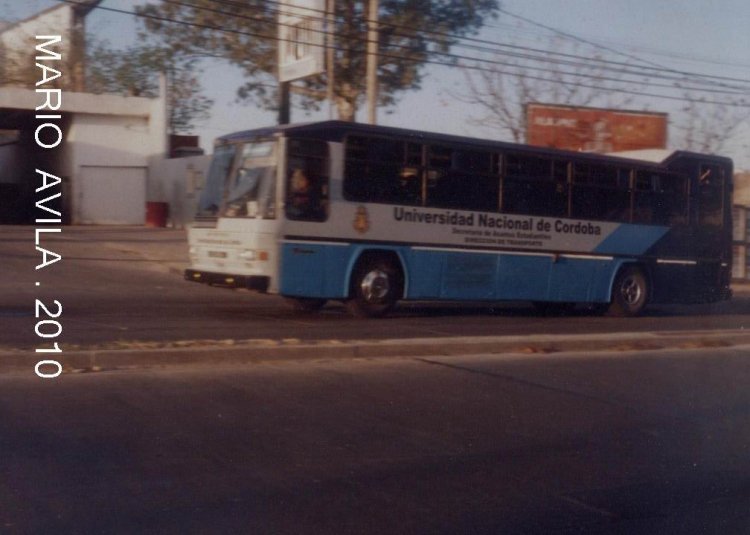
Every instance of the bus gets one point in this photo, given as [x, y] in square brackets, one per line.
[371, 215]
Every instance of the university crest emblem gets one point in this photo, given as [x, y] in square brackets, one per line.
[361, 221]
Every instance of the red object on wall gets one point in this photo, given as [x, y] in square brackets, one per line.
[157, 214]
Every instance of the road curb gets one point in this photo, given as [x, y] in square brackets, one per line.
[255, 351]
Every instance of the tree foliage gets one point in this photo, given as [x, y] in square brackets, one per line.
[412, 32]
[135, 72]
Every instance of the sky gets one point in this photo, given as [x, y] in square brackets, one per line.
[702, 36]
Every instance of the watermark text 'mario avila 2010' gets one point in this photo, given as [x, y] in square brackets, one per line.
[48, 135]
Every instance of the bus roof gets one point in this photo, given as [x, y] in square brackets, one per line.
[337, 130]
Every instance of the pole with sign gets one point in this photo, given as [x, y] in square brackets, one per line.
[301, 45]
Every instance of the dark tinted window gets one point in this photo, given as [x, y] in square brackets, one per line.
[660, 198]
[307, 180]
[461, 179]
[405, 172]
[375, 171]
[535, 186]
[600, 192]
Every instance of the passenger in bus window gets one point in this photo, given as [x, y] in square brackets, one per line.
[300, 198]
[305, 199]
[410, 186]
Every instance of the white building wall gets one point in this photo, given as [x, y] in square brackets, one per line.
[178, 182]
[108, 140]
[100, 132]
[120, 134]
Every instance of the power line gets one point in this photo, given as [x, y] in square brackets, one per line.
[730, 90]
[653, 67]
[433, 62]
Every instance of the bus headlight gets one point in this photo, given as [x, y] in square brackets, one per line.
[251, 256]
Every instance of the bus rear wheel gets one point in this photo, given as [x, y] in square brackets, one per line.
[376, 286]
[630, 292]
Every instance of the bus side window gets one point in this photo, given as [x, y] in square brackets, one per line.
[441, 185]
[462, 180]
[375, 172]
[643, 201]
[600, 192]
[307, 180]
[660, 198]
[535, 186]
[671, 200]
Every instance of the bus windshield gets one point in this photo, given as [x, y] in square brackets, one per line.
[221, 165]
[251, 188]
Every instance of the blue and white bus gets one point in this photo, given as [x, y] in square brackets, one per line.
[371, 215]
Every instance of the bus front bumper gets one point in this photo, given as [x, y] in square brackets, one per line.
[259, 283]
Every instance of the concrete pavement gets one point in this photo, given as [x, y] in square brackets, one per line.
[618, 443]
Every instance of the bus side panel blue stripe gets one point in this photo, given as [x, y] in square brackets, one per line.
[425, 272]
[631, 239]
[523, 277]
[581, 280]
[570, 279]
[469, 276]
[311, 270]
[336, 268]
[448, 275]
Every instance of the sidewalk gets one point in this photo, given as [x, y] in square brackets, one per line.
[234, 352]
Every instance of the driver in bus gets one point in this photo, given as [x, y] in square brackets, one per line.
[301, 197]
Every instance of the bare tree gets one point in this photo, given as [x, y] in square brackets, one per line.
[707, 126]
[504, 84]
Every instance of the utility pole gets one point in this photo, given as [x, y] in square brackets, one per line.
[81, 8]
[284, 103]
[330, 54]
[372, 61]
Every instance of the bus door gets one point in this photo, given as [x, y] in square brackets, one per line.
[709, 211]
[713, 219]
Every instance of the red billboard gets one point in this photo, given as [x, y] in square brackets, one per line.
[594, 129]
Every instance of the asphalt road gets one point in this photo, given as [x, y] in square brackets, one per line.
[123, 284]
[597, 443]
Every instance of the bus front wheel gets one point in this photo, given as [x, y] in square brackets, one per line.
[630, 292]
[376, 286]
